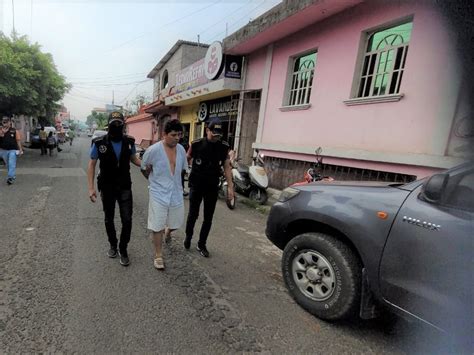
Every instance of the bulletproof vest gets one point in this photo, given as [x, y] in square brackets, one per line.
[8, 142]
[208, 159]
[114, 174]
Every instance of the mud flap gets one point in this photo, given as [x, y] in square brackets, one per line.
[368, 307]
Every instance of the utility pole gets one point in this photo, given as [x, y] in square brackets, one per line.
[198, 38]
[31, 20]
[226, 29]
[13, 11]
[113, 97]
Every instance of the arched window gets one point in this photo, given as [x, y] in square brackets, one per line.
[164, 81]
[384, 61]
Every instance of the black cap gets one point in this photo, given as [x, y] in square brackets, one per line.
[215, 125]
[116, 116]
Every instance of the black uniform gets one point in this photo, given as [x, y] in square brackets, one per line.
[115, 184]
[208, 159]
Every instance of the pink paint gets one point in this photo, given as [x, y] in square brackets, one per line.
[420, 123]
[140, 130]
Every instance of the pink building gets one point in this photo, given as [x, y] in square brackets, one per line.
[376, 84]
[142, 126]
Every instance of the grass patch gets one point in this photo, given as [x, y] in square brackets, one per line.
[255, 205]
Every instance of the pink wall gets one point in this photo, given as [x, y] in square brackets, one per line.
[140, 130]
[419, 123]
[255, 69]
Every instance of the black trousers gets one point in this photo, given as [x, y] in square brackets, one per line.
[125, 202]
[208, 194]
[44, 147]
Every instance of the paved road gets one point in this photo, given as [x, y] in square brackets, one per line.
[60, 293]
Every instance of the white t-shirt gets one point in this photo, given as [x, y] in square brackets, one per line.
[165, 188]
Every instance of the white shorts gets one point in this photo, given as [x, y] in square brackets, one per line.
[160, 216]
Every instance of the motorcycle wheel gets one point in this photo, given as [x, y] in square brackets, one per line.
[258, 195]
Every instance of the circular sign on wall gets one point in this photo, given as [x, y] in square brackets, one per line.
[214, 60]
[202, 113]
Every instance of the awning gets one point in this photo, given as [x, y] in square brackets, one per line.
[212, 90]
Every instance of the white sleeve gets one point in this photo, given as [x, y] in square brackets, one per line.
[146, 159]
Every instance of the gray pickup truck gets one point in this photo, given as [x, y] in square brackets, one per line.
[351, 247]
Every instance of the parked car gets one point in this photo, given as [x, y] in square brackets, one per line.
[351, 247]
[98, 133]
[34, 138]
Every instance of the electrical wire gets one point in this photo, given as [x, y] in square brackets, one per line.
[225, 18]
[235, 22]
[154, 31]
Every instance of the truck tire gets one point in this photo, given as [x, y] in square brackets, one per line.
[323, 275]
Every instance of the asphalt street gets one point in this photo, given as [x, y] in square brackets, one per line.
[59, 292]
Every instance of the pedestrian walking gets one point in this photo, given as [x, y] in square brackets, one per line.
[71, 135]
[10, 148]
[162, 165]
[51, 143]
[114, 151]
[208, 156]
[43, 137]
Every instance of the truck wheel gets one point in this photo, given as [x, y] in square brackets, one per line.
[323, 275]
[258, 195]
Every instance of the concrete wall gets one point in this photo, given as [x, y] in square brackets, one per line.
[140, 130]
[192, 54]
[418, 124]
[184, 56]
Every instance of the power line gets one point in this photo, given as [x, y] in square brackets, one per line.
[233, 23]
[163, 26]
[225, 18]
[106, 77]
[109, 85]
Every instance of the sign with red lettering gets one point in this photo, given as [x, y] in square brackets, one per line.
[213, 61]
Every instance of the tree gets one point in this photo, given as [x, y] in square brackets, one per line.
[134, 105]
[98, 118]
[30, 82]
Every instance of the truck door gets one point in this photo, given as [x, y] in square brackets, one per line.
[427, 264]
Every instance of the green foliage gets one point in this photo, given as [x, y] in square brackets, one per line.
[30, 83]
[134, 105]
[99, 118]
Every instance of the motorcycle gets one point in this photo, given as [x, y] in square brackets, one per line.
[313, 174]
[251, 181]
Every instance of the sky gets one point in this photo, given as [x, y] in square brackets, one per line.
[106, 48]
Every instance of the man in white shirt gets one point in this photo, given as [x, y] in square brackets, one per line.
[162, 165]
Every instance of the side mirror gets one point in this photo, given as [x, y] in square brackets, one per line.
[433, 188]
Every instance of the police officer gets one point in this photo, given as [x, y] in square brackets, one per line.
[208, 155]
[115, 152]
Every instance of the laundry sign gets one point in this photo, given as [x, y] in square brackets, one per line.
[225, 108]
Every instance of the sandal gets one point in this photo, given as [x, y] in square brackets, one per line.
[159, 264]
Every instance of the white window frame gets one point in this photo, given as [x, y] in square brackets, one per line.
[293, 99]
[376, 54]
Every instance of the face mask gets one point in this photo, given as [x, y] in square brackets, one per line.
[116, 132]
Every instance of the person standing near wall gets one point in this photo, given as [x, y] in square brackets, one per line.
[10, 147]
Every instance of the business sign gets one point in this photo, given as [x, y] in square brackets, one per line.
[190, 77]
[223, 109]
[214, 60]
[233, 66]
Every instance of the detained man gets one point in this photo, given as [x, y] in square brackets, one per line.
[162, 165]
